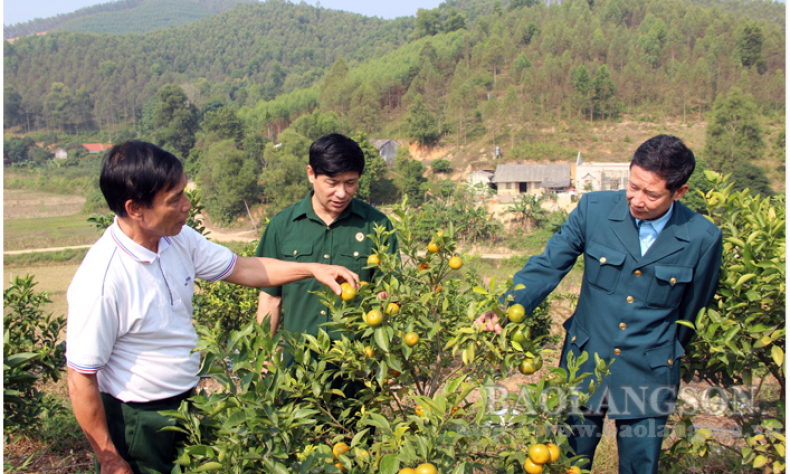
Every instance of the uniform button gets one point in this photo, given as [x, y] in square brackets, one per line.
[356, 254]
[573, 338]
[326, 255]
[617, 352]
[672, 281]
[630, 299]
[323, 313]
[328, 228]
[622, 326]
[295, 252]
[638, 273]
[603, 260]
[670, 362]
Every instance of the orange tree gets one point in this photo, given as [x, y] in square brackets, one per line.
[430, 399]
[741, 334]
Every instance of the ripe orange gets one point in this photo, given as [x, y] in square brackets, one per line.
[433, 248]
[369, 352]
[411, 339]
[340, 466]
[438, 288]
[455, 262]
[406, 470]
[539, 453]
[575, 470]
[527, 367]
[426, 468]
[515, 313]
[418, 411]
[373, 260]
[392, 308]
[362, 283]
[532, 468]
[554, 452]
[347, 291]
[338, 449]
[374, 317]
[424, 266]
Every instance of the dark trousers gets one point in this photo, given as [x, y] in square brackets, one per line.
[638, 441]
[135, 431]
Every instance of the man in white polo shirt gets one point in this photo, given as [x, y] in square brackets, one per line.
[130, 338]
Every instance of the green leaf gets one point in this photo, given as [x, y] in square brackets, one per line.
[778, 355]
[688, 324]
[209, 466]
[380, 336]
[743, 279]
[389, 464]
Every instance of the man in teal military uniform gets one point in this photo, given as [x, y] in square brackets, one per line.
[649, 261]
[329, 225]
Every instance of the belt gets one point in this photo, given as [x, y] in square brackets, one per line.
[164, 401]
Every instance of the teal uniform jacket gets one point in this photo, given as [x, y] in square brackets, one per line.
[629, 303]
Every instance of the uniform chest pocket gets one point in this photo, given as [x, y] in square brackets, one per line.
[354, 258]
[667, 288]
[602, 266]
[298, 252]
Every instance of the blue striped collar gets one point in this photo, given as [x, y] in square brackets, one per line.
[132, 248]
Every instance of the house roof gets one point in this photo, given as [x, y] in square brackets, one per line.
[380, 142]
[550, 176]
[96, 147]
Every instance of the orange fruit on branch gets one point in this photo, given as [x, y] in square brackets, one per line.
[515, 313]
[455, 262]
[532, 468]
[373, 260]
[338, 449]
[411, 339]
[374, 317]
[539, 453]
[347, 291]
[554, 452]
[426, 468]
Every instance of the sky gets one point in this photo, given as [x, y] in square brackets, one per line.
[16, 11]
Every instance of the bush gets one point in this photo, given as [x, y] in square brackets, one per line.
[31, 355]
[441, 166]
[409, 401]
[741, 334]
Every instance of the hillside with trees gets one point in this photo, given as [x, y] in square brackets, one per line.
[124, 16]
[468, 76]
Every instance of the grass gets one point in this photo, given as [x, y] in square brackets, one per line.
[38, 259]
[47, 232]
[54, 279]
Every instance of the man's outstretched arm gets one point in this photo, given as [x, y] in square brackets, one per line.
[261, 272]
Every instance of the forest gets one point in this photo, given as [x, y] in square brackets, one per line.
[139, 16]
[225, 89]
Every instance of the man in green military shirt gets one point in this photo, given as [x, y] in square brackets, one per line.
[328, 226]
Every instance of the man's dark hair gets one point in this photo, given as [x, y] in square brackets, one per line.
[334, 154]
[137, 170]
[667, 157]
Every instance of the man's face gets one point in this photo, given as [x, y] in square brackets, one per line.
[648, 196]
[332, 193]
[168, 213]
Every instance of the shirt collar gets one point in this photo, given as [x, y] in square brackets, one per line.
[132, 248]
[305, 209]
[661, 222]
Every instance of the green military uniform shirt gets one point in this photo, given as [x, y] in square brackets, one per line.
[297, 234]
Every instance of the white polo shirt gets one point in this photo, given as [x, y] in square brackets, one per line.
[130, 313]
